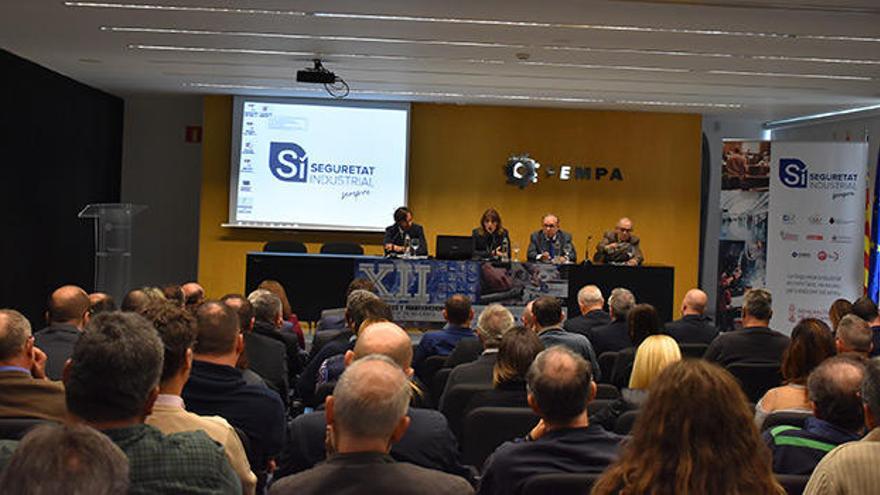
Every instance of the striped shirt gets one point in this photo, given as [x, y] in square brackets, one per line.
[850, 468]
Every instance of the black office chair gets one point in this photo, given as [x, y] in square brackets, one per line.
[607, 391]
[789, 418]
[485, 428]
[597, 405]
[15, 428]
[439, 383]
[456, 401]
[322, 391]
[606, 364]
[756, 378]
[285, 247]
[342, 248]
[560, 484]
[429, 368]
[625, 422]
[794, 484]
[323, 337]
[693, 350]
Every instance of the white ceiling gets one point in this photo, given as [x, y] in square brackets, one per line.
[765, 59]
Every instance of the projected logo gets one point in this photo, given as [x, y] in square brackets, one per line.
[288, 162]
[793, 172]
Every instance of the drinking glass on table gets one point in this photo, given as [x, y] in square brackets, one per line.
[415, 246]
[515, 252]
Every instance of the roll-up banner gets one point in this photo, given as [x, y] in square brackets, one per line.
[815, 248]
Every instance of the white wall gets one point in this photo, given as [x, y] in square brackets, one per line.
[163, 172]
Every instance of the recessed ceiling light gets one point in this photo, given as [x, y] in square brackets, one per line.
[784, 74]
[183, 8]
[605, 67]
[775, 124]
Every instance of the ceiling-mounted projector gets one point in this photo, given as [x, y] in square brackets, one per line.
[316, 75]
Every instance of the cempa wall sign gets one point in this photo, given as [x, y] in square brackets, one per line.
[522, 170]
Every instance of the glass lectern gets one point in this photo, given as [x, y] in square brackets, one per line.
[112, 245]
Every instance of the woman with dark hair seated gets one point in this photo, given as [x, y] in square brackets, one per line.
[642, 321]
[811, 343]
[839, 308]
[517, 350]
[695, 435]
[490, 237]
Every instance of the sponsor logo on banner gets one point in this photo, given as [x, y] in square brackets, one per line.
[789, 218]
[827, 256]
[814, 237]
[796, 174]
[815, 219]
[799, 254]
[842, 239]
[840, 221]
[793, 172]
[788, 236]
[842, 195]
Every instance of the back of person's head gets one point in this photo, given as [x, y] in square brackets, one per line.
[839, 308]
[15, 330]
[218, 329]
[547, 311]
[114, 368]
[100, 302]
[834, 388]
[457, 310]
[360, 284]
[242, 307]
[620, 302]
[642, 321]
[387, 339]
[758, 304]
[696, 300]
[517, 350]
[354, 306]
[811, 343]
[401, 213]
[695, 434]
[135, 300]
[854, 334]
[72, 459]
[267, 306]
[194, 294]
[68, 304]
[559, 381]
[276, 288]
[174, 294]
[493, 322]
[653, 355]
[371, 309]
[590, 296]
[871, 393]
[177, 329]
[370, 399]
[865, 308]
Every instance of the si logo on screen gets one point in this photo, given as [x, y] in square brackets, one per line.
[288, 162]
[793, 172]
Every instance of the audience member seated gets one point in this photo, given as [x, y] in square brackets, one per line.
[458, 315]
[590, 302]
[654, 354]
[693, 327]
[614, 336]
[70, 459]
[853, 336]
[839, 308]
[334, 318]
[290, 323]
[366, 415]
[355, 314]
[564, 440]
[642, 321]
[695, 434]
[68, 314]
[216, 387]
[837, 418]
[137, 299]
[428, 442]
[174, 295]
[755, 342]
[111, 383]
[492, 324]
[25, 392]
[811, 343]
[100, 302]
[268, 320]
[851, 469]
[194, 294]
[270, 354]
[866, 309]
[177, 329]
[547, 311]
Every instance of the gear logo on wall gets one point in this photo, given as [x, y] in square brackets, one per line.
[521, 170]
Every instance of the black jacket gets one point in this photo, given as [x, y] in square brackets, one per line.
[583, 324]
[57, 341]
[692, 329]
[748, 345]
[397, 236]
[611, 337]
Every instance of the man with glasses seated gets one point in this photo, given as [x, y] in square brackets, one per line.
[551, 244]
[620, 246]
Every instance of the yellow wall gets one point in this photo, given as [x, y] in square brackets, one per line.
[457, 157]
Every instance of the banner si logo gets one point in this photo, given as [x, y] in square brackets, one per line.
[793, 172]
[288, 162]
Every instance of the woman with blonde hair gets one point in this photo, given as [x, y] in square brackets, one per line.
[653, 356]
[694, 436]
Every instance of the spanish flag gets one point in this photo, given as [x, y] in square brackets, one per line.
[872, 269]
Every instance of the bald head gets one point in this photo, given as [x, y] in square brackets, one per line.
[624, 229]
[387, 339]
[69, 304]
[694, 303]
[193, 293]
[370, 399]
[559, 385]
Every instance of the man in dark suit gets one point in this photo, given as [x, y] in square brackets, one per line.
[547, 311]
[428, 442]
[620, 246]
[590, 302]
[24, 390]
[404, 229]
[550, 244]
[615, 335]
[366, 415]
[755, 342]
[866, 309]
[694, 327]
[67, 315]
[268, 321]
[334, 318]
[263, 356]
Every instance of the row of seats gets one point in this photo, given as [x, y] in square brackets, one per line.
[578, 484]
[298, 247]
